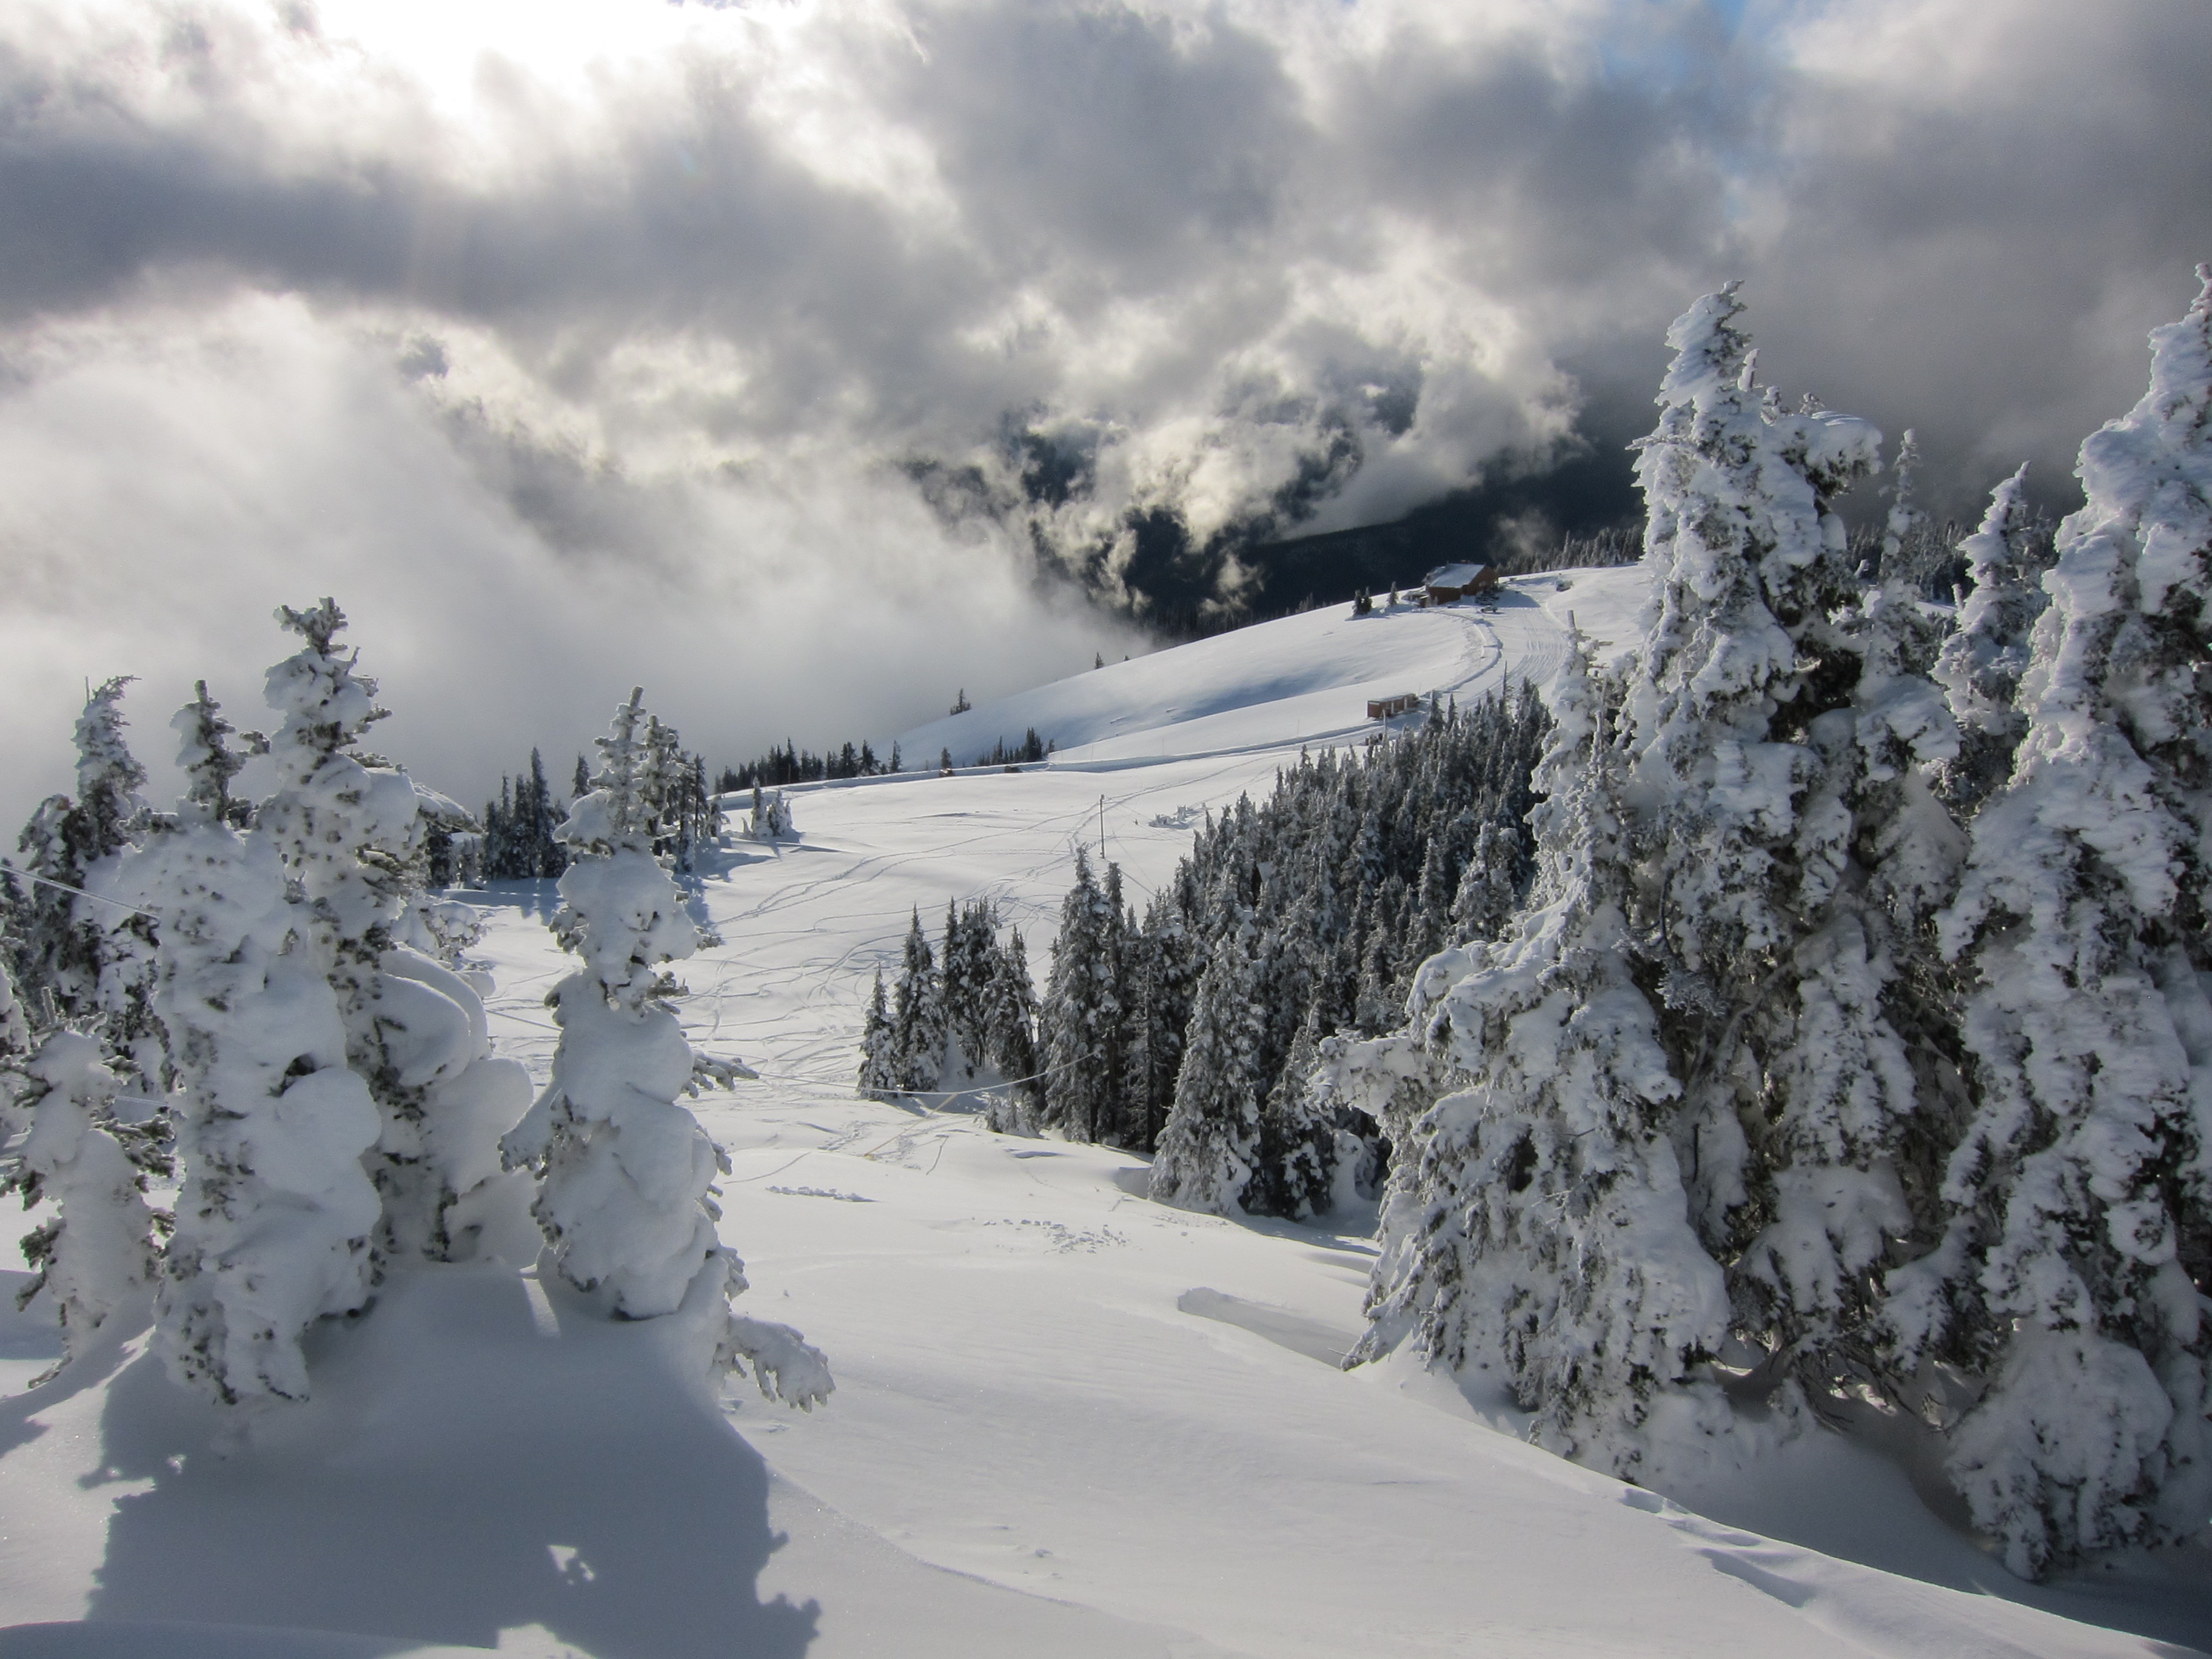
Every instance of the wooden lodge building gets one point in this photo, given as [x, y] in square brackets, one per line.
[1450, 583]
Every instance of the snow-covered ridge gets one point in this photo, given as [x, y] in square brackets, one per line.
[1301, 678]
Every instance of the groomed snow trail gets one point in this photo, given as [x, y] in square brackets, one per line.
[1068, 1421]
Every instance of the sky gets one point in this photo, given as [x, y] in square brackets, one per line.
[810, 363]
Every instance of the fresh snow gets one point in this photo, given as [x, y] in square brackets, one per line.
[1068, 1421]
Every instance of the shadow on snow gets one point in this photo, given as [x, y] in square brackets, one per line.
[478, 1457]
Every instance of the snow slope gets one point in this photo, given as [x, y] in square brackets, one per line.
[1306, 677]
[1068, 1421]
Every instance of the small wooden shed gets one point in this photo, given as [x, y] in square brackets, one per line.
[1450, 582]
[1382, 709]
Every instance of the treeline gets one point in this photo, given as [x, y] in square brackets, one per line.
[1031, 750]
[520, 838]
[1304, 916]
[1619, 544]
[791, 764]
[517, 843]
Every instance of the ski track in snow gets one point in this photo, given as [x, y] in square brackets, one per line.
[1068, 1421]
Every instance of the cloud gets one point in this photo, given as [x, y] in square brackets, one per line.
[700, 344]
[1972, 215]
[166, 482]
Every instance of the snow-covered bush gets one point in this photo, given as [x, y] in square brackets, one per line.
[770, 818]
[628, 1175]
[2079, 1197]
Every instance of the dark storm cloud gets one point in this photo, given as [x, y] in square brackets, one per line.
[1977, 214]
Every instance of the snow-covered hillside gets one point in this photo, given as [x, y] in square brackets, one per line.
[1305, 678]
[1068, 1421]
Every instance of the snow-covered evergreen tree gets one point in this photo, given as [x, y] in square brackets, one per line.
[95, 1257]
[2073, 1275]
[1010, 1018]
[770, 818]
[1904, 518]
[918, 1031]
[1163, 1015]
[879, 1074]
[965, 981]
[1298, 1149]
[1677, 1094]
[1489, 886]
[275, 1213]
[626, 1199]
[1876, 854]
[1081, 1012]
[1747, 561]
[1536, 1226]
[77, 959]
[1210, 1148]
[347, 828]
[1982, 660]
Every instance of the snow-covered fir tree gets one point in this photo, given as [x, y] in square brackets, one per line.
[964, 982]
[1982, 659]
[275, 1212]
[1209, 1147]
[626, 1198]
[1081, 1012]
[1742, 770]
[77, 959]
[1160, 1010]
[2073, 1275]
[1298, 1149]
[94, 1253]
[918, 1033]
[879, 1075]
[770, 818]
[348, 828]
[1719, 979]
[1342, 872]
[948, 1025]
[1536, 1227]
[1010, 1019]
[520, 843]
